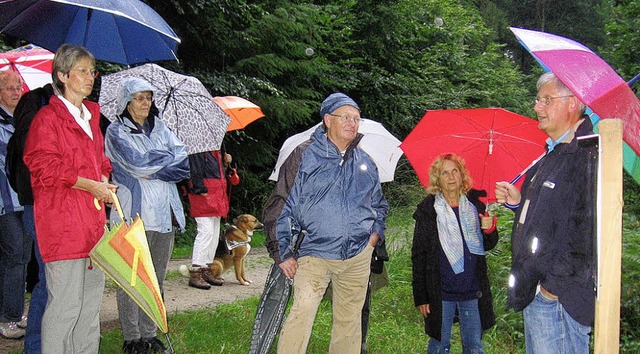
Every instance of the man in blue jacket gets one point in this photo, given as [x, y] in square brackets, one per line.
[328, 190]
[553, 270]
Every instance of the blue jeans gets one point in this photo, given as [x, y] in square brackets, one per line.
[39, 294]
[15, 253]
[548, 328]
[470, 328]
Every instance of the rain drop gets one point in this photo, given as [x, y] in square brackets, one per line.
[363, 167]
[309, 51]
[438, 21]
[512, 280]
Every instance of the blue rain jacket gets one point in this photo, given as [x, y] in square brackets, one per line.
[8, 197]
[146, 168]
[338, 202]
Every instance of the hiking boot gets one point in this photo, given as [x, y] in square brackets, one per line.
[11, 330]
[155, 345]
[196, 280]
[135, 347]
[23, 322]
[207, 275]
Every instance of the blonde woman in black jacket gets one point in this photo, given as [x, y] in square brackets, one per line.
[448, 254]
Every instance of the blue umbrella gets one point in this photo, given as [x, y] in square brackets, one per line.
[119, 31]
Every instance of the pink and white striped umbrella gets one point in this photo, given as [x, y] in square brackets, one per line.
[590, 78]
[32, 63]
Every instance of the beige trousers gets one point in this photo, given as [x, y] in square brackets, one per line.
[349, 279]
[71, 321]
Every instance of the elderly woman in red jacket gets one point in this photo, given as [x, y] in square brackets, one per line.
[69, 170]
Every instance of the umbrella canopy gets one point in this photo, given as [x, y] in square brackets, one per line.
[377, 142]
[273, 303]
[589, 77]
[593, 81]
[185, 105]
[32, 63]
[120, 31]
[242, 111]
[123, 254]
[496, 144]
[271, 309]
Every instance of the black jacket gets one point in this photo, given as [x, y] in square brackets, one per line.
[560, 203]
[425, 256]
[17, 172]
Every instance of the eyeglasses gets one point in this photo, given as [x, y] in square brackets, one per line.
[141, 99]
[345, 119]
[13, 88]
[545, 101]
[84, 72]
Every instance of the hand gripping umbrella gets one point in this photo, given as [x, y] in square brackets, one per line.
[119, 31]
[377, 141]
[185, 105]
[496, 144]
[593, 81]
[32, 63]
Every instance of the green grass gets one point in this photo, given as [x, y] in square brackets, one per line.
[395, 325]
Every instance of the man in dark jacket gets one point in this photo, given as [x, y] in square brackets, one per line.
[329, 190]
[553, 270]
[20, 180]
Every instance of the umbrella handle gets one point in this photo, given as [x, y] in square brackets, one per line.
[116, 203]
[493, 225]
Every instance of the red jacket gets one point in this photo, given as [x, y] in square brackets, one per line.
[57, 151]
[207, 177]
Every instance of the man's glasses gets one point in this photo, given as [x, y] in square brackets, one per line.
[345, 119]
[545, 101]
[84, 72]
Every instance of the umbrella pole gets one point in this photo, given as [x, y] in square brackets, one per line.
[166, 335]
[634, 80]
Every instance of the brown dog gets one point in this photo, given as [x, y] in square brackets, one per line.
[235, 246]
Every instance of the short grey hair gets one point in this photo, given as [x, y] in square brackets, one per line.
[8, 75]
[551, 78]
[65, 58]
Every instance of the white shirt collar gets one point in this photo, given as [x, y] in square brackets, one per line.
[81, 117]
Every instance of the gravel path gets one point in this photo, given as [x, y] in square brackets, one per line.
[179, 296]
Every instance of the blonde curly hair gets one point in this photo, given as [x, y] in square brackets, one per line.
[436, 169]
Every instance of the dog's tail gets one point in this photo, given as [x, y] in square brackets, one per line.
[184, 270]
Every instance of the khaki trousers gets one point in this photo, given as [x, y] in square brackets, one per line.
[349, 279]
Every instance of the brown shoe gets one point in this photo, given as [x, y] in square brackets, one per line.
[208, 277]
[196, 280]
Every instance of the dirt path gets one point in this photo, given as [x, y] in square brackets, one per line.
[179, 296]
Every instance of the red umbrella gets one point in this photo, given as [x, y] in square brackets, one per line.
[32, 63]
[496, 144]
[241, 111]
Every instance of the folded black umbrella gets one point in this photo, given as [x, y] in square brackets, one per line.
[270, 314]
[271, 309]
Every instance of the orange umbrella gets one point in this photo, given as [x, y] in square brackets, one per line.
[241, 111]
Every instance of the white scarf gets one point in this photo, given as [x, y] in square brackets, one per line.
[449, 230]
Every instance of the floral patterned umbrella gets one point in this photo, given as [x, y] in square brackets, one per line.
[185, 105]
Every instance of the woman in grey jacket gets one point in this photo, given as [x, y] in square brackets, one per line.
[148, 160]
